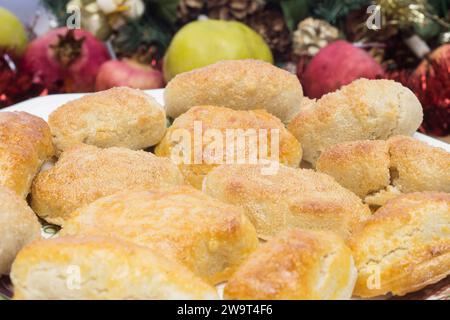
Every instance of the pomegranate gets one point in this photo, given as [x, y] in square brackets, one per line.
[126, 72]
[68, 60]
[337, 64]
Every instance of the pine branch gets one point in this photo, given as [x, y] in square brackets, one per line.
[58, 8]
[150, 30]
[155, 28]
[332, 11]
[164, 10]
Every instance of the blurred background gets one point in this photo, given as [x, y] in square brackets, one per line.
[24, 9]
[62, 46]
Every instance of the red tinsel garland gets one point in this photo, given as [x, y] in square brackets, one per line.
[433, 90]
[15, 84]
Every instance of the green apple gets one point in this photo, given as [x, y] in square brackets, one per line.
[12, 32]
[204, 42]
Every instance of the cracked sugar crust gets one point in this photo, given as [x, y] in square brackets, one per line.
[222, 120]
[85, 173]
[364, 109]
[287, 198]
[419, 166]
[379, 170]
[18, 226]
[101, 268]
[118, 117]
[405, 244]
[296, 264]
[25, 144]
[360, 166]
[236, 84]
[208, 236]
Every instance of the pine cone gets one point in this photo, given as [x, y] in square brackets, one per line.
[270, 24]
[189, 10]
[312, 35]
[232, 9]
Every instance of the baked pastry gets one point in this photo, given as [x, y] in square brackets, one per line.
[18, 226]
[417, 166]
[296, 264]
[255, 136]
[288, 198]
[404, 246]
[364, 109]
[86, 173]
[379, 170]
[118, 117]
[101, 268]
[236, 84]
[209, 237]
[25, 144]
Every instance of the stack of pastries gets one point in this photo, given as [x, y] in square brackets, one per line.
[335, 201]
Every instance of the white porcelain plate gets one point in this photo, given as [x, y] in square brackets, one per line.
[43, 106]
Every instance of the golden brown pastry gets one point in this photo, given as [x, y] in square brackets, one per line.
[296, 264]
[18, 226]
[417, 166]
[289, 198]
[379, 170]
[267, 139]
[364, 109]
[404, 246]
[25, 144]
[209, 237]
[118, 117]
[86, 173]
[236, 84]
[101, 268]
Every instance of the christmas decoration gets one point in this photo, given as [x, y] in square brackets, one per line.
[91, 18]
[444, 37]
[12, 32]
[393, 46]
[201, 43]
[431, 83]
[270, 24]
[334, 11]
[406, 14]
[336, 65]
[126, 72]
[132, 9]
[398, 55]
[150, 34]
[150, 24]
[403, 13]
[189, 10]
[312, 35]
[15, 83]
[233, 9]
[296, 35]
[101, 17]
[239, 10]
[400, 21]
[69, 59]
[7, 70]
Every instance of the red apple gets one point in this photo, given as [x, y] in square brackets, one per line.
[337, 64]
[126, 72]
